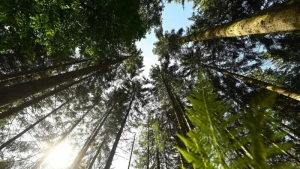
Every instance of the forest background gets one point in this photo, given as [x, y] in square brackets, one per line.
[224, 93]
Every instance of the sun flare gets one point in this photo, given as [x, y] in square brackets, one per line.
[60, 156]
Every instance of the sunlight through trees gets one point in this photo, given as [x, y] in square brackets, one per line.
[224, 95]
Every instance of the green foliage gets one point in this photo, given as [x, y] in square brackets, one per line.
[95, 27]
[219, 137]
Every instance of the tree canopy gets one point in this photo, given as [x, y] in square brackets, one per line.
[225, 93]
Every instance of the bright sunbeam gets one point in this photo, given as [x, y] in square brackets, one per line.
[60, 156]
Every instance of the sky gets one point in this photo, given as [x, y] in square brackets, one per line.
[174, 17]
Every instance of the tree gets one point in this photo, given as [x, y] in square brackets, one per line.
[14, 110]
[19, 91]
[131, 151]
[114, 147]
[217, 121]
[42, 159]
[258, 83]
[95, 27]
[89, 141]
[261, 23]
[30, 127]
[36, 70]
[97, 153]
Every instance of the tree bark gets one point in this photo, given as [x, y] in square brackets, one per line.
[114, 147]
[177, 109]
[97, 153]
[36, 70]
[30, 127]
[148, 141]
[280, 90]
[187, 121]
[282, 19]
[88, 142]
[177, 140]
[157, 159]
[131, 151]
[42, 159]
[25, 104]
[19, 91]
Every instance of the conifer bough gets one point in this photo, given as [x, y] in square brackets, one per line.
[280, 19]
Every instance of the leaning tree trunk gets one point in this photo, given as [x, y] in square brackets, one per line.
[42, 159]
[280, 90]
[97, 153]
[89, 141]
[30, 127]
[131, 151]
[36, 70]
[114, 147]
[19, 91]
[25, 104]
[284, 18]
[274, 144]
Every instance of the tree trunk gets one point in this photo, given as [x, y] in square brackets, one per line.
[177, 110]
[178, 141]
[165, 156]
[25, 104]
[148, 141]
[295, 159]
[19, 91]
[157, 159]
[114, 147]
[286, 92]
[88, 142]
[36, 70]
[131, 151]
[30, 127]
[187, 121]
[97, 153]
[42, 159]
[282, 19]
[286, 129]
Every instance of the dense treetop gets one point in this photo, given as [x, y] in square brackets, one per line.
[225, 94]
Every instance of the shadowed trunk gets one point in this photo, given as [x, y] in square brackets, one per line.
[179, 114]
[36, 70]
[114, 147]
[19, 91]
[157, 159]
[25, 104]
